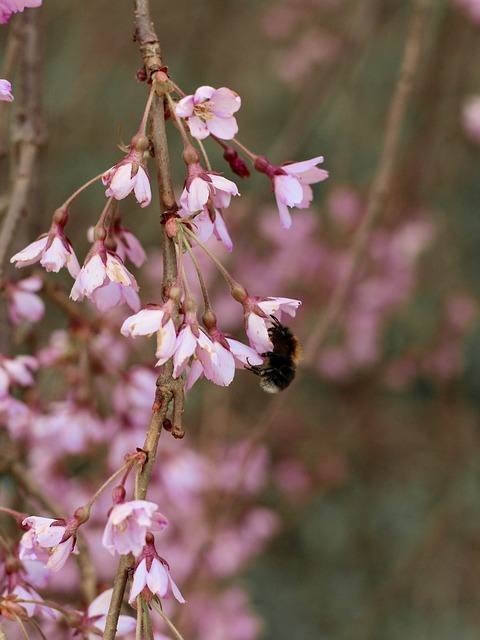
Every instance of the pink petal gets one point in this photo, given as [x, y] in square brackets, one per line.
[139, 580]
[185, 107]
[300, 167]
[198, 128]
[226, 102]
[225, 128]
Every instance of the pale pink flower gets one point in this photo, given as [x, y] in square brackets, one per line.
[53, 250]
[122, 180]
[292, 188]
[212, 355]
[128, 246]
[206, 188]
[471, 7]
[154, 319]
[130, 174]
[210, 111]
[209, 222]
[471, 116]
[84, 427]
[127, 525]
[96, 617]
[155, 578]
[105, 280]
[15, 415]
[16, 370]
[291, 183]
[8, 7]
[22, 301]
[256, 323]
[152, 576]
[26, 592]
[46, 534]
[6, 89]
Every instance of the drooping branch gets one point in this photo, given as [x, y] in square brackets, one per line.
[168, 388]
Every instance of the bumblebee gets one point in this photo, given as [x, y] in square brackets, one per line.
[280, 365]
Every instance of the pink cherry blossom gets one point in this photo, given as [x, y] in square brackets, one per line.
[8, 7]
[105, 280]
[84, 427]
[122, 180]
[291, 183]
[156, 578]
[471, 7]
[53, 250]
[205, 226]
[128, 246]
[471, 115]
[22, 301]
[16, 370]
[6, 89]
[130, 174]
[210, 111]
[46, 535]
[96, 617]
[127, 525]
[152, 576]
[205, 187]
[256, 324]
[154, 319]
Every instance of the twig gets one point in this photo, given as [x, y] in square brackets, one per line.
[167, 387]
[382, 182]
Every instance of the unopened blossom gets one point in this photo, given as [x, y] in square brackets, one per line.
[154, 319]
[53, 250]
[95, 618]
[256, 324]
[45, 541]
[8, 7]
[127, 526]
[6, 91]
[130, 174]
[22, 301]
[152, 576]
[210, 111]
[291, 184]
[105, 280]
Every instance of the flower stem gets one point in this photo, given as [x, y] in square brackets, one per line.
[203, 287]
[98, 493]
[217, 262]
[142, 129]
[169, 623]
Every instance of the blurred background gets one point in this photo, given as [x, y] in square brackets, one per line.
[373, 468]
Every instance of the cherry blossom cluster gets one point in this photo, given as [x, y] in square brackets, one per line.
[83, 404]
[197, 350]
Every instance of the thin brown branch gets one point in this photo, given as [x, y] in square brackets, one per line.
[167, 387]
[383, 180]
